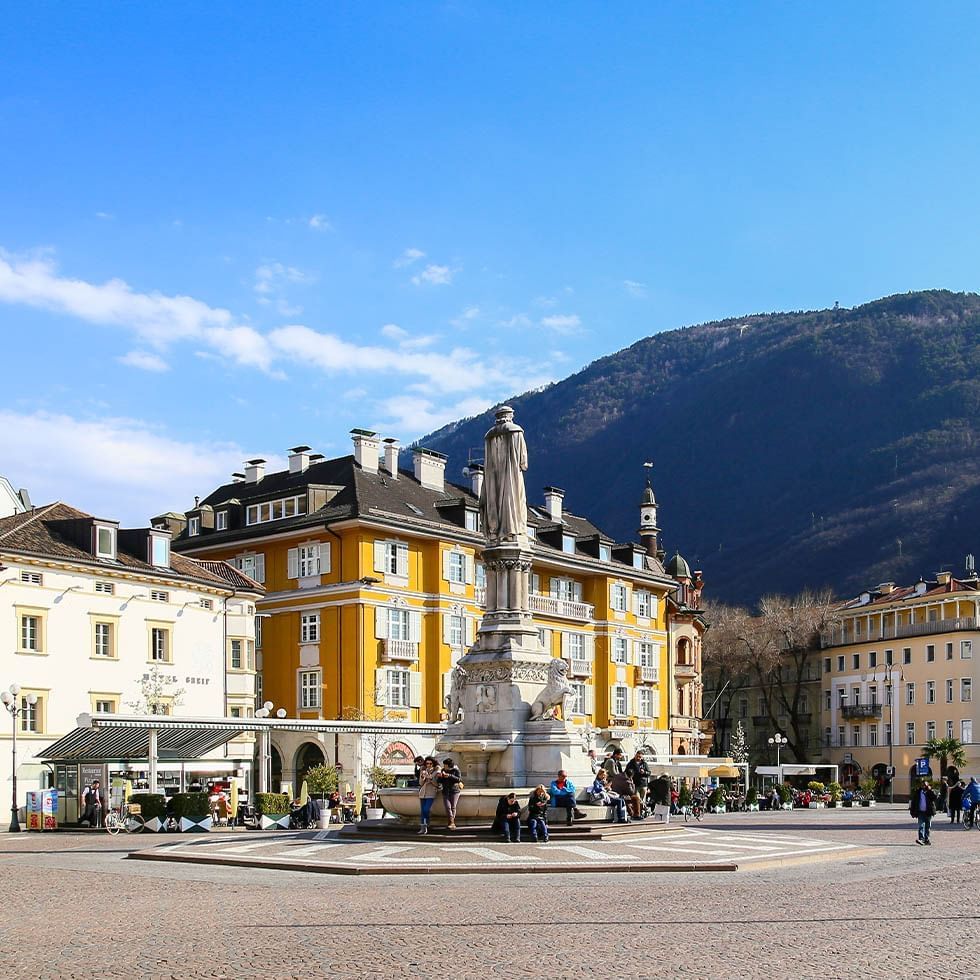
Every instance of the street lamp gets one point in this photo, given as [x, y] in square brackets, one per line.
[265, 781]
[779, 741]
[15, 708]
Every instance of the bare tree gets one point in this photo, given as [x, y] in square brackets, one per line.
[158, 693]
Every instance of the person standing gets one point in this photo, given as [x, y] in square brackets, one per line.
[451, 784]
[971, 797]
[922, 806]
[614, 764]
[428, 790]
[93, 803]
[956, 801]
[942, 803]
[537, 813]
[638, 770]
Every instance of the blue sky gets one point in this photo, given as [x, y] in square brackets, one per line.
[226, 229]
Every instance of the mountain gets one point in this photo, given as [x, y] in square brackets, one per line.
[833, 447]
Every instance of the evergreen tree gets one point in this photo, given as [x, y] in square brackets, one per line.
[738, 749]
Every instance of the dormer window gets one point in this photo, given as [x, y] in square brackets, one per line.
[105, 541]
[532, 532]
[194, 526]
[568, 544]
[160, 551]
[638, 559]
[275, 510]
[472, 520]
[221, 520]
[605, 553]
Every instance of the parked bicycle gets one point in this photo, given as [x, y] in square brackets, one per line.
[128, 817]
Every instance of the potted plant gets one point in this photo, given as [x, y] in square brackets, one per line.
[192, 812]
[836, 792]
[273, 810]
[752, 799]
[867, 787]
[816, 794]
[716, 802]
[154, 810]
[381, 778]
[785, 795]
[684, 798]
[321, 781]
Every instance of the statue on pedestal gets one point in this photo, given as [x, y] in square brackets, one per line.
[503, 500]
[553, 697]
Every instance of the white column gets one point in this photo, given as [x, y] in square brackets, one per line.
[152, 761]
[264, 760]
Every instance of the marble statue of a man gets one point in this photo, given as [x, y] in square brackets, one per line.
[503, 500]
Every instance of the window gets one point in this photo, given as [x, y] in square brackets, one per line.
[456, 630]
[566, 589]
[889, 657]
[30, 578]
[605, 553]
[910, 733]
[235, 654]
[949, 729]
[399, 624]
[568, 544]
[743, 708]
[966, 731]
[930, 692]
[638, 559]
[620, 650]
[856, 692]
[275, 510]
[309, 560]
[576, 646]
[577, 699]
[259, 694]
[391, 557]
[930, 653]
[826, 699]
[856, 735]
[856, 661]
[966, 649]
[840, 663]
[872, 734]
[193, 526]
[250, 655]
[105, 706]
[826, 737]
[532, 532]
[646, 654]
[309, 628]
[31, 715]
[106, 588]
[206, 604]
[873, 658]
[251, 565]
[105, 542]
[966, 689]
[31, 633]
[644, 702]
[888, 734]
[949, 691]
[907, 655]
[841, 697]
[399, 684]
[643, 604]
[910, 692]
[873, 693]
[157, 596]
[620, 700]
[456, 567]
[841, 736]
[472, 520]
[949, 651]
[309, 689]
[160, 644]
[617, 598]
[826, 665]
[930, 730]
[258, 631]
[221, 520]
[104, 640]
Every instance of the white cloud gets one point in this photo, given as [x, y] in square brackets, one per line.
[319, 222]
[434, 275]
[405, 340]
[417, 343]
[408, 257]
[517, 320]
[393, 331]
[634, 288]
[115, 467]
[412, 416]
[468, 315]
[273, 276]
[104, 216]
[545, 302]
[562, 322]
[144, 360]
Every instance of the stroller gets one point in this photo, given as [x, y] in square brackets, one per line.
[305, 817]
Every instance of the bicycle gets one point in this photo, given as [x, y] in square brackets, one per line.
[128, 817]
[695, 810]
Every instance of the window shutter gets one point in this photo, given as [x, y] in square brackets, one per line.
[612, 596]
[415, 689]
[589, 699]
[654, 605]
[381, 623]
[629, 701]
[445, 564]
[379, 556]
[415, 627]
[546, 641]
[260, 568]
[446, 620]
[381, 687]
[577, 591]
[402, 559]
[590, 648]
[566, 646]
[470, 630]
[635, 605]
[292, 563]
[553, 587]
[612, 700]
[470, 569]
[325, 556]
[535, 582]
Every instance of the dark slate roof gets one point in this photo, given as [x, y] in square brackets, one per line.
[37, 533]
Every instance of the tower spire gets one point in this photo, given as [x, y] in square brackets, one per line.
[648, 515]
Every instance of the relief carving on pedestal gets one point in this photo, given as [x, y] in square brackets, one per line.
[506, 671]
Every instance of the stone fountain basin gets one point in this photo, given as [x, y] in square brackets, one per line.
[476, 806]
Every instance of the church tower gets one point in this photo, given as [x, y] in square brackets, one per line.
[649, 531]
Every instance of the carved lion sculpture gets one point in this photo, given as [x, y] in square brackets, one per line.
[454, 700]
[550, 703]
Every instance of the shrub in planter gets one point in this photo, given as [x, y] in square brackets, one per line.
[684, 796]
[815, 787]
[752, 796]
[717, 798]
[153, 804]
[785, 793]
[192, 811]
[321, 781]
[272, 803]
[836, 792]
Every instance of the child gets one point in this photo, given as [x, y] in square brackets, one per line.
[537, 813]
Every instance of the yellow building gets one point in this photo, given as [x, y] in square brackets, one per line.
[375, 589]
[897, 672]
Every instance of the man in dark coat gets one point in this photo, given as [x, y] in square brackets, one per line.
[922, 806]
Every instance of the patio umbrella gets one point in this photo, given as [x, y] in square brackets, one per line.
[724, 772]
[233, 800]
[304, 794]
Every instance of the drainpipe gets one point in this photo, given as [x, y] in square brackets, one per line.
[340, 656]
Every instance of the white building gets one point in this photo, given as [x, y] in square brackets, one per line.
[100, 619]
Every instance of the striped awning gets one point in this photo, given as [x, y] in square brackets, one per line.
[123, 744]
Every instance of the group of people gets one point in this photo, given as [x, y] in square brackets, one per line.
[446, 782]
[959, 800]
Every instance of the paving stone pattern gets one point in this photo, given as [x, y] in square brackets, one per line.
[76, 908]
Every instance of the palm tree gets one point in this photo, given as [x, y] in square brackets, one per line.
[945, 750]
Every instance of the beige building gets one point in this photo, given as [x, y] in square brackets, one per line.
[898, 671]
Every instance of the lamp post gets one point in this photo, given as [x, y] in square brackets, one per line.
[15, 708]
[779, 741]
[265, 761]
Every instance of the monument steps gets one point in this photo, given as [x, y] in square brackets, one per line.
[594, 830]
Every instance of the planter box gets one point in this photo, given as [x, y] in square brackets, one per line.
[867, 802]
[752, 807]
[155, 825]
[195, 825]
[274, 821]
[817, 806]
[375, 812]
[833, 803]
[847, 803]
[787, 806]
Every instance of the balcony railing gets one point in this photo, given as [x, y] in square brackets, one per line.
[647, 675]
[565, 608]
[400, 650]
[581, 668]
[685, 669]
[860, 710]
[958, 624]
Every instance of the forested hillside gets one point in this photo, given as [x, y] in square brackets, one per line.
[835, 447]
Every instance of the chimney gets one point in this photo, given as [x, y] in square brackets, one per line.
[299, 459]
[316, 457]
[254, 470]
[943, 578]
[391, 457]
[366, 446]
[553, 498]
[430, 468]
[475, 472]
[885, 588]
[237, 477]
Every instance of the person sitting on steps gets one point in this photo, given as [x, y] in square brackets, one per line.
[563, 796]
[537, 813]
[509, 817]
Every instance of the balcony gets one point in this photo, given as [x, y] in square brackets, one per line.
[563, 608]
[401, 650]
[959, 624]
[581, 668]
[684, 670]
[684, 723]
[647, 675]
[860, 710]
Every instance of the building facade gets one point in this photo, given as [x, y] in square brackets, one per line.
[102, 619]
[897, 672]
[375, 588]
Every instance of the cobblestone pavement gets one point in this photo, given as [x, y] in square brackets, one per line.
[76, 908]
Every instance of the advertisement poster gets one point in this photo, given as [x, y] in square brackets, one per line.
[34, 820]
[49, 808]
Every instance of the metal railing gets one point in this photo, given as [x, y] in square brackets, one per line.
[861, 710]
[959, 624]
